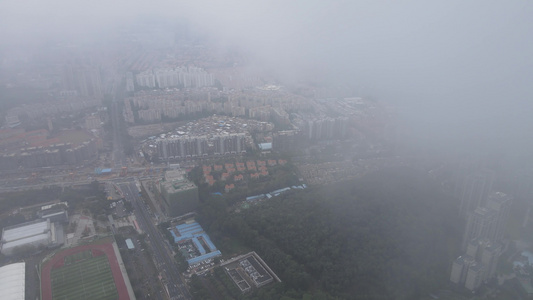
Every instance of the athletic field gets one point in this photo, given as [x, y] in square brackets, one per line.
[83, 276]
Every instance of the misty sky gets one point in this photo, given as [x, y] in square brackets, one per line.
[459, 71]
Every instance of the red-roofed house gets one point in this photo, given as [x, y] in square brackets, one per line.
[229, 187]
[251, 166]
[209, 179]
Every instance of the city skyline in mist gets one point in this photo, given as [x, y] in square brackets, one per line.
[458, 72]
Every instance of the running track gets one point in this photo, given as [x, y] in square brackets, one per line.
[57, 261]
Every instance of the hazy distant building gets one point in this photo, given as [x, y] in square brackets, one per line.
[130, 86]
[489, 256]
[482, 241]
[12, 121]
[480, 225]
[468, 272]
[473, 190]
[500, 203]
[489, 222]
[327, 128]
[229, 144]
[288, 140]
[86, 80]
[460, 269]
[183, 77]
[474, 276]
[182, 147]
[146, 79]
[93, 122]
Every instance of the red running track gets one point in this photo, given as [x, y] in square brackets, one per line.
[58, 259]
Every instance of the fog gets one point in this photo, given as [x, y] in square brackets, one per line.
[458, 73]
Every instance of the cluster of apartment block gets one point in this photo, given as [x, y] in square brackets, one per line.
[53, 155]
[175, 77]
[196, 146]
[482, 241]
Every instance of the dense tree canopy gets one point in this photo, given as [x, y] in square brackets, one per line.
[389, 235]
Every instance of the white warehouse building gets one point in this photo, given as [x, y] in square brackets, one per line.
[36, 234]
[13, 281]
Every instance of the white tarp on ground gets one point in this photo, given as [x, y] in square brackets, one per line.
[12, 281]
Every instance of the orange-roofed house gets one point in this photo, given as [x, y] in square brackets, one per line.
[251, 166]
[209, 179]
[229, 187]
[240, 167]
[207, 170]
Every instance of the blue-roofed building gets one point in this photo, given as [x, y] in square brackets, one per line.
[201, 258]
[194, 233]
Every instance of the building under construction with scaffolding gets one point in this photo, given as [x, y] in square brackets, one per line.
[178, 195]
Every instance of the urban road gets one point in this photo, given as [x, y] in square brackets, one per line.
[165, 263]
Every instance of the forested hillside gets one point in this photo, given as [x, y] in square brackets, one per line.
[389, 235]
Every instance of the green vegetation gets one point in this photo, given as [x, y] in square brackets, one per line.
[89, 197]
[389, 235]
[90, 278]
[12, 200]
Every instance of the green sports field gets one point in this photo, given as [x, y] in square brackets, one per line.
[83, 277]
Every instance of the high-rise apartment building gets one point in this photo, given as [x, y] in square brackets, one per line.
[460, 268]
[480, 225]
[86, 80]
[146, 79]
[500, 203]
[183, 77]
[473, 190]
[482, 241]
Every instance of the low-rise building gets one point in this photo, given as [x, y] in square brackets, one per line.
[28, 237]
[13, 281]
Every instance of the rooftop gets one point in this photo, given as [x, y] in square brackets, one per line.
[12, 281]
[25, 230]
